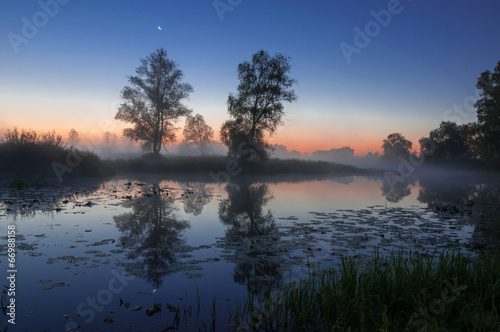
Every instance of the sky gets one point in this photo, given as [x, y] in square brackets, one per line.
[364, 69]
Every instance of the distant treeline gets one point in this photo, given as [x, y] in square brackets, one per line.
[473, 143]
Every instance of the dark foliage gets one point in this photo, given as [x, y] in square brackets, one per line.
[24, 152]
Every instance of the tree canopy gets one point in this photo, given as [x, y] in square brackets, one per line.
[257, 107]
[449, 142]
[396, 145]
[153, 101]
[488, 114]
[198, 132]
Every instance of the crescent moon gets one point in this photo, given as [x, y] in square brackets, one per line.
[159, 27]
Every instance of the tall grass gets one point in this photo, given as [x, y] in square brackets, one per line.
[449, 292]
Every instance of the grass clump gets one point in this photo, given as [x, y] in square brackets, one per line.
[23, 182]
[413, 292]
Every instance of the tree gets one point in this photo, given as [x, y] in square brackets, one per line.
[153, 101]
[197, 132]
[488, 114]
[257, 107]
[449, 142]
[109, 139]
[396, 145]
[73, 137]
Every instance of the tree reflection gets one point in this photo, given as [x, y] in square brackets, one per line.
[243, 211]
[433, 190]
[477, 198]
[252, 231]
[196, 197]
[152, 232]
[395, 192]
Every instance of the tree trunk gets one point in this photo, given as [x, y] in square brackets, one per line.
[156, 146]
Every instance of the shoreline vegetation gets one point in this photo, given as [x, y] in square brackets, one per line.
[404, 291]
[35, 167]
[401, 292]
[28, 159]
[29, 162]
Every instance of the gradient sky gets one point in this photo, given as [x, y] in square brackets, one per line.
[406, 78]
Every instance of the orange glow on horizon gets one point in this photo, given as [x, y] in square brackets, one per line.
[304, 140]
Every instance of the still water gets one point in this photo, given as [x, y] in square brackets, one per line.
[108, 255]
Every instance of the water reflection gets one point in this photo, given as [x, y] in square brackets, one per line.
[151, 232]
[47, 200]
[251, 232]
[243, 211]
[433, 192]
[478, 199]
[395, 192]
[196, 196]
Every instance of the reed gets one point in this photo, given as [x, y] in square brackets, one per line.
[404, 291]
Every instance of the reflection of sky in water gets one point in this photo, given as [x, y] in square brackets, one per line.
[329, 195]
[80, 245]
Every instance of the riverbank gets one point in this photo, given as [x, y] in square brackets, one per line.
[449, 292]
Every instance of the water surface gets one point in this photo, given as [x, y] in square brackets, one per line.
[108, 254]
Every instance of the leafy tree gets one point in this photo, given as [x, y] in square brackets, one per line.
[198, 132]
[449, 142]
[396, 145]
[109, 139]
[488, 114]
[73, 137]
[257, 108]
[153, 101]
[234, 135]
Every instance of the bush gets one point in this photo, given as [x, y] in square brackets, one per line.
[25, 152]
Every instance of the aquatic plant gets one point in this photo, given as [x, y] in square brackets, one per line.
[400, 292]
